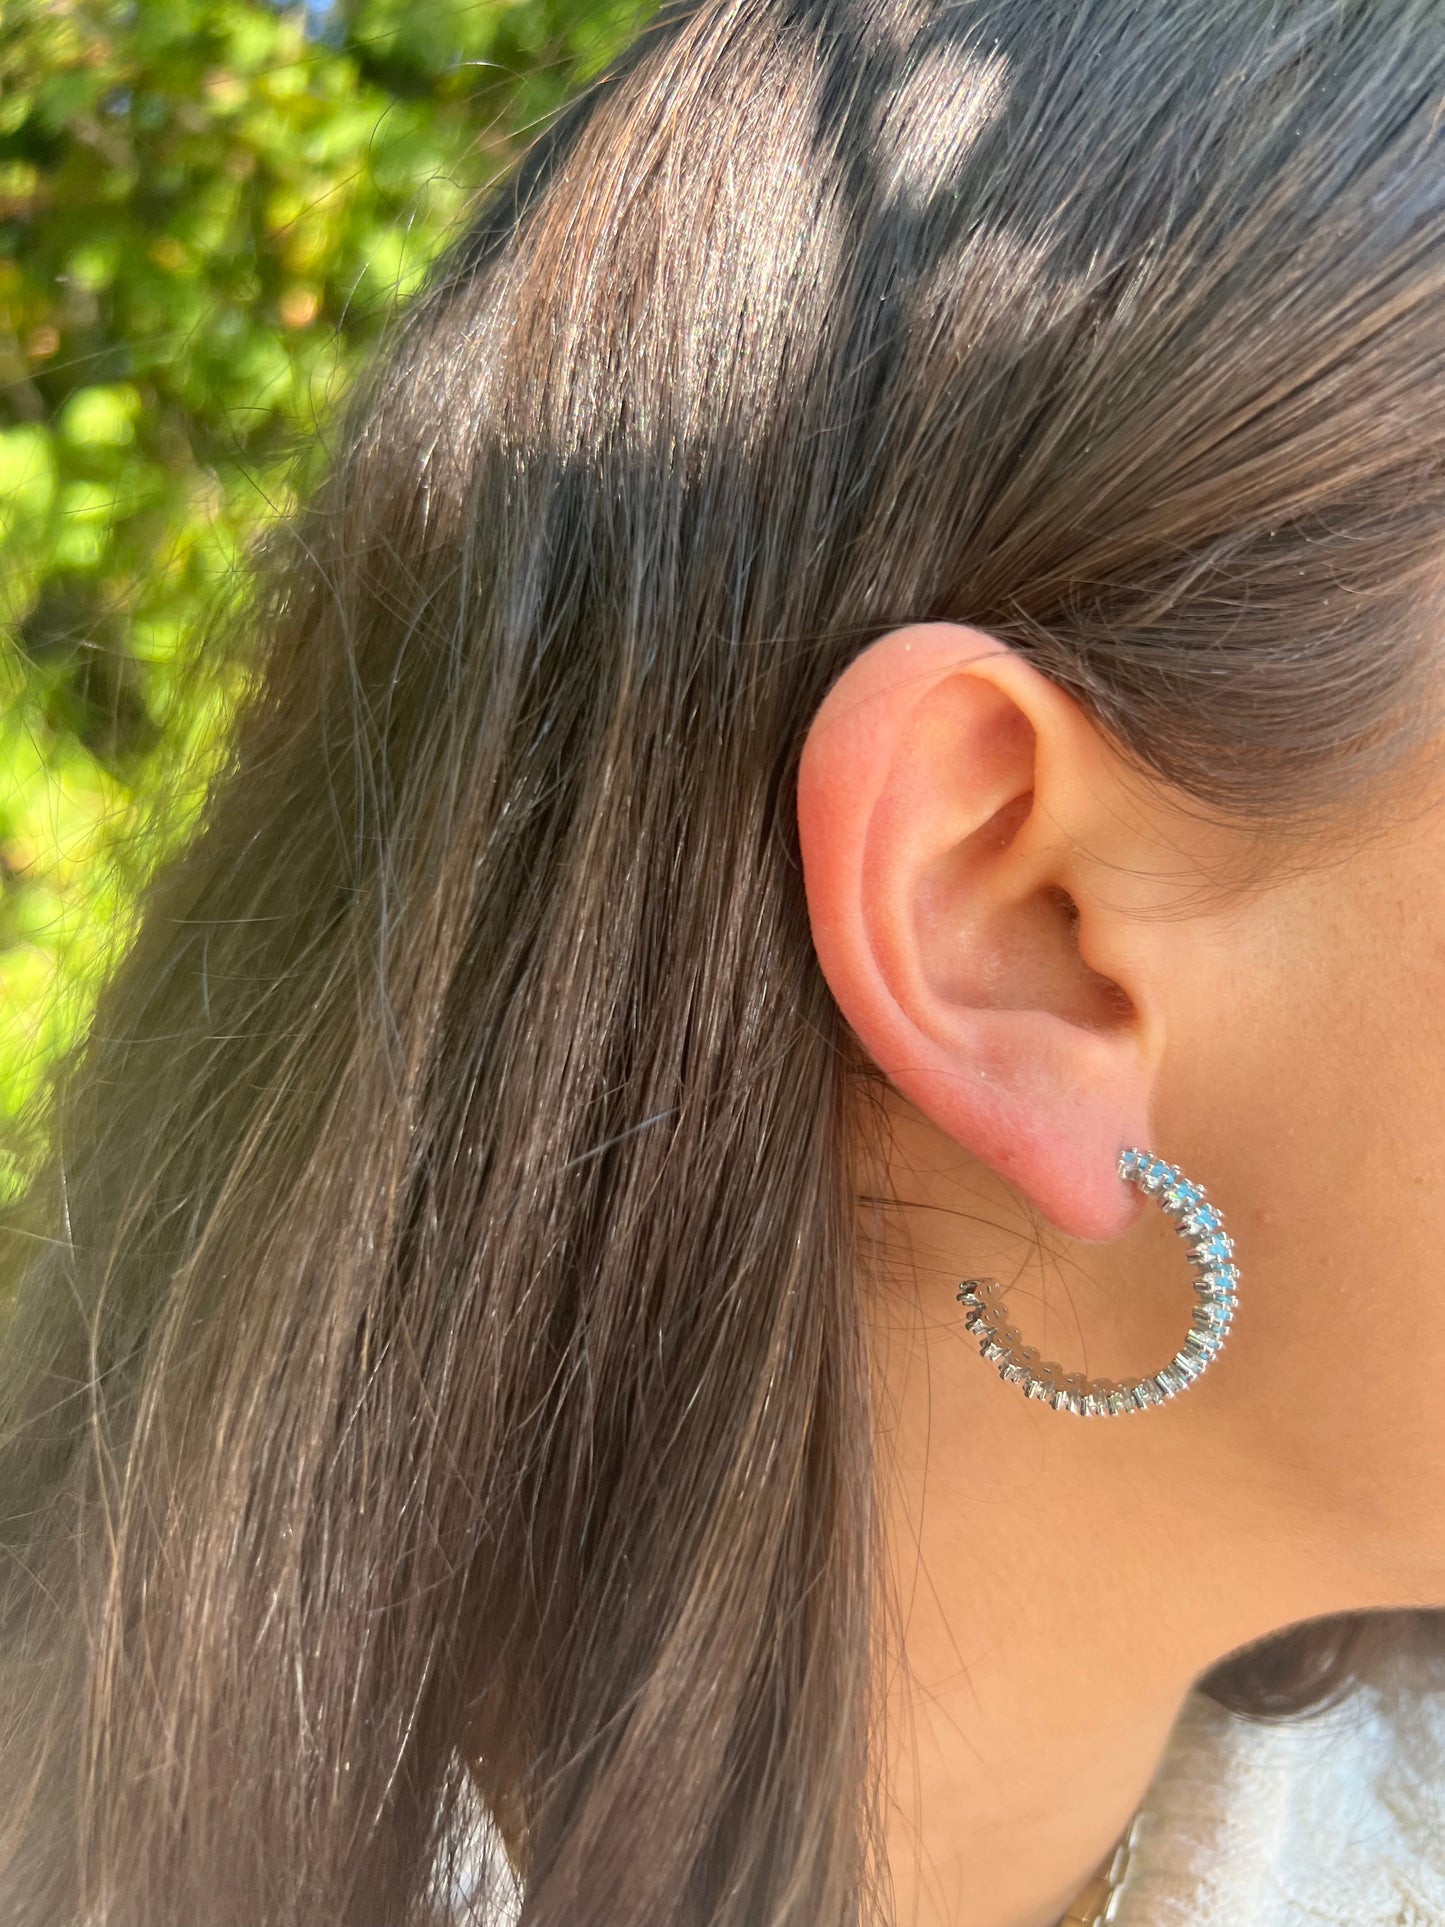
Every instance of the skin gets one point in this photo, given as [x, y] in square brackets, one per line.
[1050, 957]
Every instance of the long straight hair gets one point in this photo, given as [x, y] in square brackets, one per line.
[437, 1365]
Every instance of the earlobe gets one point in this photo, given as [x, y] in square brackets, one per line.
[947, 796]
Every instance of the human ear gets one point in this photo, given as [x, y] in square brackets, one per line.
[960, 826]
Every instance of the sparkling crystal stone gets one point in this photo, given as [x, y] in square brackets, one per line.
[1072, 1387]
[1096, 1396]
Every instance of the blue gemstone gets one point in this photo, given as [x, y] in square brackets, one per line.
[1218, 1248]
[1217, 1278]
[1203, 1218]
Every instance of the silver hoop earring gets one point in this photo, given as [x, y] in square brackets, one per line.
[1216, 1285]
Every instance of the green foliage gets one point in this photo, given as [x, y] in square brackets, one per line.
[207, 210]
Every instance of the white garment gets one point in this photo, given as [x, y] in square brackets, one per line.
[1337, 1820]
[485, 1888]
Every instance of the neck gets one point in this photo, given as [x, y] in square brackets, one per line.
[1060, 1582]
[1023, 1732]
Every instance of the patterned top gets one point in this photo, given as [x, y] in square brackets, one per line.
[1334, 1821]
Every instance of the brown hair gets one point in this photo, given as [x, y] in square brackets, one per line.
[437, 1344]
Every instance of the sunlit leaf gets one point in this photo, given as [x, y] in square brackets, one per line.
[210, 208]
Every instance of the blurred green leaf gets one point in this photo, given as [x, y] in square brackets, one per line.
[100, 417]
[208, 208]
[27, 475]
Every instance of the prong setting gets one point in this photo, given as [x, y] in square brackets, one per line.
[1210, 1250]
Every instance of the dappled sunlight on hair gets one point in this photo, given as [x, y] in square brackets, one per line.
[438, 1368]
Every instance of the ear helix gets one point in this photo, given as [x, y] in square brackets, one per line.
[1216, 1285]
